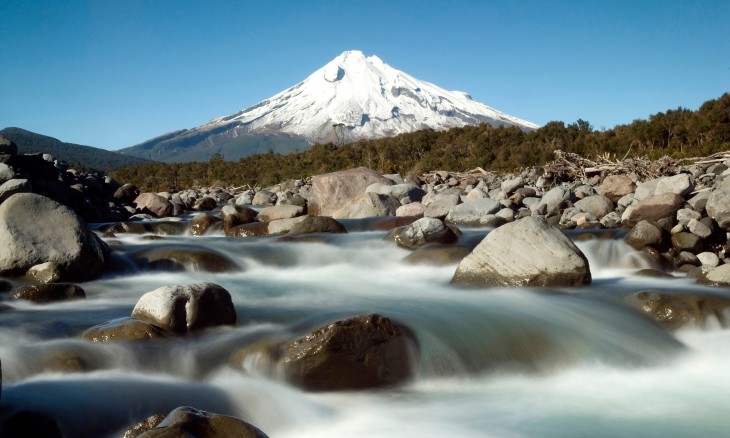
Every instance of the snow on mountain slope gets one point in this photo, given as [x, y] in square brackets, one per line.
[362, 97]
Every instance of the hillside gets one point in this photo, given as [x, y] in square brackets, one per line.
[85, 157]
[678, 133]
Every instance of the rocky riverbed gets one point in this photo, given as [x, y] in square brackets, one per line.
[378, 286]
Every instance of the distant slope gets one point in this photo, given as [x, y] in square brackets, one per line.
[87, 157]
[188, 146]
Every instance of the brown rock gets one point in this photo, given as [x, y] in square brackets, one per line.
[677, 310]
[332, 191]
[193, 423]
[122, 329]
[204, 222]
[653, 208]
[154, 204]
[47, 293]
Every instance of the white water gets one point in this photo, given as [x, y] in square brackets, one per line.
[496, 363]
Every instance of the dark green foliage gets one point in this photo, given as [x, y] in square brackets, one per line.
[678, 133]
[83, 157]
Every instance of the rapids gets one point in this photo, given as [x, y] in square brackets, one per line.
[493, 363]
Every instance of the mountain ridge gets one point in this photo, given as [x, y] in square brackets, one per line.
[350, 98]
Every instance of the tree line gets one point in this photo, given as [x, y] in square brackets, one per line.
[677, 133]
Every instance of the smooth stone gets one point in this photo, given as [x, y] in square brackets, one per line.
[122, 330]
[368, 205]
[653, 208]
[177, 258]
[678, 310]
[155, 204]
[423, 231]
[469, 213]
[415, 209]
[48, 293]
[283, 211]
[332, 191]
[614, 187]
[188, 422]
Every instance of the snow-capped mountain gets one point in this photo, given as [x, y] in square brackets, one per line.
[352, 97]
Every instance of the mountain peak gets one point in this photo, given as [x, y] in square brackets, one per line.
[352, 97]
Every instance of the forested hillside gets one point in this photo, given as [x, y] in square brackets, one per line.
[678, 133]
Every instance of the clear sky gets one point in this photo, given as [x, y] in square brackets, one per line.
[112, 74]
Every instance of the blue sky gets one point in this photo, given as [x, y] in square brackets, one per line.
[112, 74]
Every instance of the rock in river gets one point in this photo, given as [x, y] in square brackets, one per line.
[527, 252]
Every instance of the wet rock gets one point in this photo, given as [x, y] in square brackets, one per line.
[368, 205]
[154, 204]
[188, 422]
[45, 273]
[423, 231]
[280, 212]
[185, 308]
[332, 191]
[122, 330]
[678, 310]
[206, 203]
[234, 215]
[176, 258]
[48, 293]
[614, 187]
[143, 426]
[254, 229]
[653, 208]
[687, 242]
[317, 224]
[719, 276]
[167, 228]
[36, 230]
[470, 213]
[527, 252]
[369, 351]
[437, 255]
[202, 223]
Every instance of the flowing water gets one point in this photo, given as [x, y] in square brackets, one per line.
[493, 362]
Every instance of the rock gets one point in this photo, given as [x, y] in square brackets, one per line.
[8, 149]
[317, 224]
[441, 204]
[122, 329]
[6, 173]
[332, 191]
[677, 310]
[234, 215]
[614, 187]
[283, 211]
[510, 185]
[202, 223]
[126, 194]
[646, 189]
[437, 255]
[13, 186]
[647, 233]
[388, 223]
[687, 242]
[414, 209]
[399, 191]
[206, 203]
[254, 229]
[188, 422]
[177, 258]
[48, 293]
[681, 185]
[596, 205]
[36, 230]
[155, 204]
[45, 273]
[555, 199]
[368, 205]
[699, 228]
[470, 213]
[718, 207]
[186, 308]
[475, 194]
[719, 276]
[264, 198]
[527, 252]
[143, 426]
[364, 352]
[653, 208]
[423, 231]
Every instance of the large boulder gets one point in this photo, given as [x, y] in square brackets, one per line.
[193, 423]
[184, 308]
[369, 351]
[527, 252]
[332, 191]
[35, 229]
[155, 204]
[718, 207]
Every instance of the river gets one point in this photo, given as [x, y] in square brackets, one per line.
[497, 362]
